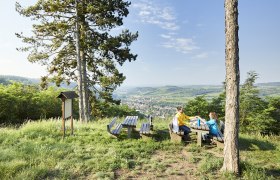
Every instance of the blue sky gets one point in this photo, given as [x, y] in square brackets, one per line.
[181, 42]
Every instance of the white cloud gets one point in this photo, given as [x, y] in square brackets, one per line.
[166, 36]
[183, 45]
[163, 17]
[201, 56]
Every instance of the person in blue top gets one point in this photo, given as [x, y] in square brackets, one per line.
[212, 123]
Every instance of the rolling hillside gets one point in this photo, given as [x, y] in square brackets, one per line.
[162, 101]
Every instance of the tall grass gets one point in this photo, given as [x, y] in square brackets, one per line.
[36, 150]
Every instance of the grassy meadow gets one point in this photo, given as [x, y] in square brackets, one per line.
[36, 150]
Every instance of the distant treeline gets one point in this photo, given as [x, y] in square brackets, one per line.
[8, 79]
[20, 102]
[256, 114]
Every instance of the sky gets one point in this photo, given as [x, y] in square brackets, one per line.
[181, 42]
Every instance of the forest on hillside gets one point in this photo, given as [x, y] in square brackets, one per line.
[259, 105]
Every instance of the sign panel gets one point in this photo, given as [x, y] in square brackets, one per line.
[67, 108]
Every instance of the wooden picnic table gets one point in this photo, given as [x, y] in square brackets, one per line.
[203, 128]
[130, 123]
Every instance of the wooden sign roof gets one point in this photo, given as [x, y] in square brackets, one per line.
[68, 95]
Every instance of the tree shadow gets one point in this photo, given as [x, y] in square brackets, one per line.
[273, 172]
[161, 134]
[247, 144]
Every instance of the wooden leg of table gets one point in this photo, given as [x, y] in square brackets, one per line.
[199, 143]
[129, 132]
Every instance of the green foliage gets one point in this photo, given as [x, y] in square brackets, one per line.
[53, 42]
[250, 103]
[20, 102]
[273, 110]
[217, 104]
[201, 106]
[102, 109]
[198, 106]
[257, 115]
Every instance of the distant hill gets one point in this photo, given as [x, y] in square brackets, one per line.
[177, 91]
[7, 79]
[161, 101]
[268, 84]
[270, 88]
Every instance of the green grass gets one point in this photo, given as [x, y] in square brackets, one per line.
[36, 150]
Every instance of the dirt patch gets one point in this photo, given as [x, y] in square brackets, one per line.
[168, 164]
[162, 165]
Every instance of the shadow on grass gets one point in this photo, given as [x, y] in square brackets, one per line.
[157, 135]
[247, 144]
[124, 135]
[161, 135]
[273, 172]
[251, 171]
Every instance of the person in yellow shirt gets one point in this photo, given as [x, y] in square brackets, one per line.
[182, 118]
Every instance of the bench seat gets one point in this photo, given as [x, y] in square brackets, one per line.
[117, 130]
[219, 140]
[174, 135]
[145, 128]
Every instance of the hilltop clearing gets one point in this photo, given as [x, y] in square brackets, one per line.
[36, 150]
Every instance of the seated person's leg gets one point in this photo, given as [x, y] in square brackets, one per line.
[204, 136]
[185, 129]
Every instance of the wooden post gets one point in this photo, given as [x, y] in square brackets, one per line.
[67, 108]
[151, 122]
[199, 137]
[63, 118]
[129, 131]
[72, 129]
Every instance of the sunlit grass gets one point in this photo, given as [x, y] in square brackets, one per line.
[37, 150]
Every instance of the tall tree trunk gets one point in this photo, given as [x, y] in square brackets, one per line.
[79, 66]
[84, 65]
[231, 152]
[85, 88]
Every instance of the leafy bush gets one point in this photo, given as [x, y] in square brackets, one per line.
[256, 115]
[19, 102]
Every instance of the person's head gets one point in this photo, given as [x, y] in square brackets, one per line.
[180, 109]
[213, 115]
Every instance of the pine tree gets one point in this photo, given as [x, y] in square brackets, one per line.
[73, 39]
[231, 152]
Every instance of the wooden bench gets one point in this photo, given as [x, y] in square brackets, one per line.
[203, 128]
[146, 128]
[219, 140]
[175, 136]
[115, 132]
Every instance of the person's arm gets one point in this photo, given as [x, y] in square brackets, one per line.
[203, 120]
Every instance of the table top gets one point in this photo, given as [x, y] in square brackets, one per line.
[130, 121]
[202, 127]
